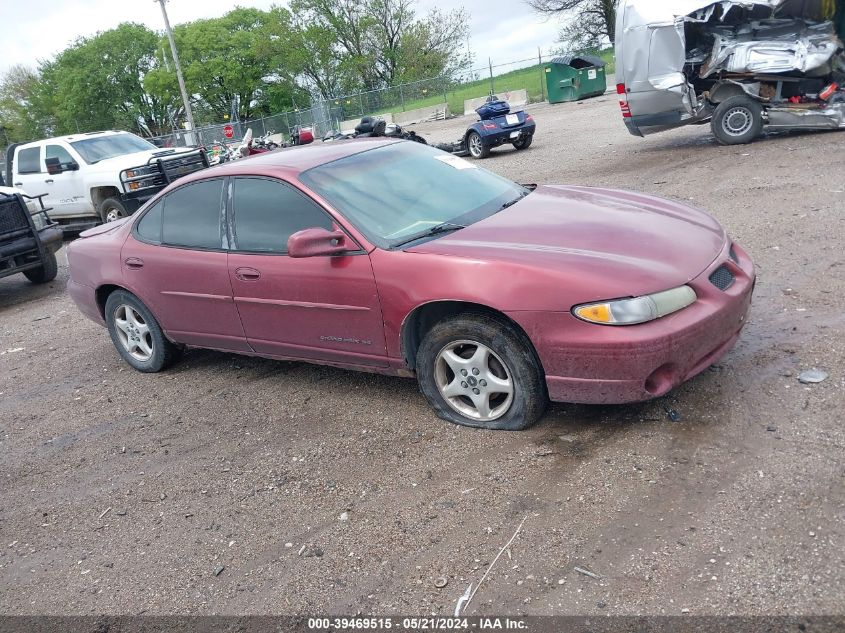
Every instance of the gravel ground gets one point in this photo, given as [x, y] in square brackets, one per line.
[233, 485]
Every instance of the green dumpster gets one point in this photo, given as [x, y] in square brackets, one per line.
[575, 77]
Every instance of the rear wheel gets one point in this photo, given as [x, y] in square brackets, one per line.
[737, 120]
[137, 335]
[478, 371]
[47, 272]
[524, 141]
[112, 209]
[476, 146]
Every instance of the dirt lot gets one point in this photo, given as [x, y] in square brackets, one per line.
[129, 493]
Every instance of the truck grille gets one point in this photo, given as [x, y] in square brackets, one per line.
[12, 215]
[722, 278]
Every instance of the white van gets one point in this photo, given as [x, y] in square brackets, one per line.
[743, 65]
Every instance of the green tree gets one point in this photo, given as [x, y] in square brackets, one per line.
[22, 115]
[591, 22]
[98, 83]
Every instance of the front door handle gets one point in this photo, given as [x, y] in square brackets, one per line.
[18, 184]
[247, 274]
[49, 181]
[134, 263]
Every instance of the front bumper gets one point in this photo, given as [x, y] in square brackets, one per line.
[593, 364]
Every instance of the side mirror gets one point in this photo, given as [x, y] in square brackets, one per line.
[54, 166]
[317, 243]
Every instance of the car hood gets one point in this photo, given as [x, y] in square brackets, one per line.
[618, 243]
[116, 164]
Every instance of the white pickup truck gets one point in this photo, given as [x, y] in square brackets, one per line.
[96, 177]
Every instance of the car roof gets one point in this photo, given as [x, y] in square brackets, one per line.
[292, 161]
[73, 137]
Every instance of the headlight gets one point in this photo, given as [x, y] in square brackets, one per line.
[38, 221]
[638, 309]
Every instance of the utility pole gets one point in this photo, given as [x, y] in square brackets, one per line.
[188, 112]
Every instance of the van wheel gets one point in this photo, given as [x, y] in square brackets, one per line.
[112, 209]
[737, 120]
[47, 272]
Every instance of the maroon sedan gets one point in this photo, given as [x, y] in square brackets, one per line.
[394, 257]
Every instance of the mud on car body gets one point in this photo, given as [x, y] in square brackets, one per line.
[743, 65]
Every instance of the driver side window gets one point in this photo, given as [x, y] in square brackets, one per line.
[266, 213]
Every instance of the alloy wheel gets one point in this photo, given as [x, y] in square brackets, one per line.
[475, 145]
[474, 380]
[133, 332]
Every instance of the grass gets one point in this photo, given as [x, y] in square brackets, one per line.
[527, 79]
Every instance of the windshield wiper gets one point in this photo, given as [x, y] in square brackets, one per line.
[514, 201]
[445, 227]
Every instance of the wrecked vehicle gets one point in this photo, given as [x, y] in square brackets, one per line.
[742, 65]
[496, 126]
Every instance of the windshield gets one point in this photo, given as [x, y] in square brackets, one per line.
[395, 192]
[93, 150]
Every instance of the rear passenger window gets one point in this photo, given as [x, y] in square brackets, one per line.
[29, 160]
[267, 213]
[193, 215]
[149, 228]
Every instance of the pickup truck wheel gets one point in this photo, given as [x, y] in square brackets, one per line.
[45, 273]
[476, 146]
[112, 209]
[523, 142]
[478, 371]
[137, 335]
[737, 121]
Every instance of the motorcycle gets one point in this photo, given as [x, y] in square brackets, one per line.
[496, 126]
[374, 127]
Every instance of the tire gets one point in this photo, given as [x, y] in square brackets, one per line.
[111, 209]
[47, 272]
[509, 362]
[737, 121]
[140, 342]
[524, 142]
[476, 146]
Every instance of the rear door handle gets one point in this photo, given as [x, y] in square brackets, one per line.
[49, 181]
[18, 184]
[247, 274]
[134, 263]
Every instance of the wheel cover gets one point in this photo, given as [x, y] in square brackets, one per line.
[474, 381]
[475, 145]
[133, 332]
[737, 121]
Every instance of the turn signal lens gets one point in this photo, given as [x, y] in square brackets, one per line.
[638, 309]
[599, 313]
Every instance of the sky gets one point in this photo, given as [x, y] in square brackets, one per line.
[504, 30]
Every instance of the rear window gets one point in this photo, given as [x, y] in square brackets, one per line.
[29, 160]
[193, 215]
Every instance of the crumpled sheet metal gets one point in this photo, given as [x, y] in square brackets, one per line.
[806, 49]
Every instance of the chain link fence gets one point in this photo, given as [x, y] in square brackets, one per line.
[326, 115]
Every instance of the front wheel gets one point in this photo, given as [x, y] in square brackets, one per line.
[112, 209]
[524, 141]
[478, 371]
[47, 272]
[737, 121]
[476, 146]
[137, 335]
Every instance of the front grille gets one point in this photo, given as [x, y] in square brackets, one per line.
[12, 215]
[722, 278]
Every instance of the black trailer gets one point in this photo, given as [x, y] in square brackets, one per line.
[28, 240]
